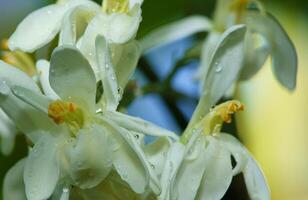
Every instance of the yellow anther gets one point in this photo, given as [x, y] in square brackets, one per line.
[116, 6]
[66, 112]
[229, 108]
[4, 44]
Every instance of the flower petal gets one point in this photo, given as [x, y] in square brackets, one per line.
[284, 57]
[226, 63]
[42, 67]
[218, 171]
[38, 101]
[42, 24]
[41, 172]
[13, 184]
[129, 160]
[140, 125]
[111, 94]
[8, 132]
[175, 31]
[125, 60]
[75, 23]
[174, 159]
[255, 181]
[156, 153]
[26, 118]
[72, 78]
[189, 176]
[256, 52]
[90, 157]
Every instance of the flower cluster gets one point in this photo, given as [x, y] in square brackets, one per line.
[82, 146]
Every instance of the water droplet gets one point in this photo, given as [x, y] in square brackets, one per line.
[107, 66]
[124, 175]
[119, 90]
[218, 68]
[113, 78]
[65, 190]
[136, 136]
[152, 165]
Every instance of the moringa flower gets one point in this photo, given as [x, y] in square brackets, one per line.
[199, 167]
[79, 22]
[265, 37]
[86, 140]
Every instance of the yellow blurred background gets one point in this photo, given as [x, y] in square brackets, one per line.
[274, 125]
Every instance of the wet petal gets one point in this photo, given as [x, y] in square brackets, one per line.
[254, 178]
[256, 52]
[140, 125]
[26, 118]
[225, 65]
[175, 31]
[129, 160]
[189, 176]
[72, 78]
[8, 132]
[90, 157]
[174, 159]
[111, 95]
[218, 171]
[125, 60]
[283, 53]
[13, 184]
[42, 67]
[42, 24]
[75, 23]
[41, 172]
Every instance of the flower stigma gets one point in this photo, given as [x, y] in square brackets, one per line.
[66, 112]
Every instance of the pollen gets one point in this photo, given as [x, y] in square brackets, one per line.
[66, 112]
[4, 45]
[228, 109]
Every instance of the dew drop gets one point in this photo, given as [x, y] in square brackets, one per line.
[218, 68]
[136, 136]
[65, 190]
[113, 78]
[107, 66]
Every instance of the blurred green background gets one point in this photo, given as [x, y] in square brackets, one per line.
[275, 123]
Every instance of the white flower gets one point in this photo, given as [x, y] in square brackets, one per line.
[86, 140]
[265, 38]
[79, 23]
[200, 166]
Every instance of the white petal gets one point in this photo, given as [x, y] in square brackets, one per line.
[107, 74]
[284, 58]
[26, 118]
[139, 125]
[226, 63]
[36, 100]
[255, 181]
[189, 176]
[41, 172]
[125, 58]
[42, 67]
[90, 157]
[129, 160]
[37, 29]
[218, 171]
[174, 159]
[72, 78]
[256, 52]
[13, 184]
[75, 23]
[175, 31]
[254, 178]
[156, 153]
[8, 132]
[208, 49]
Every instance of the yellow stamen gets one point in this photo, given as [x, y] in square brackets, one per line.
[66, 112]
[116, 6]
[4, 44]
